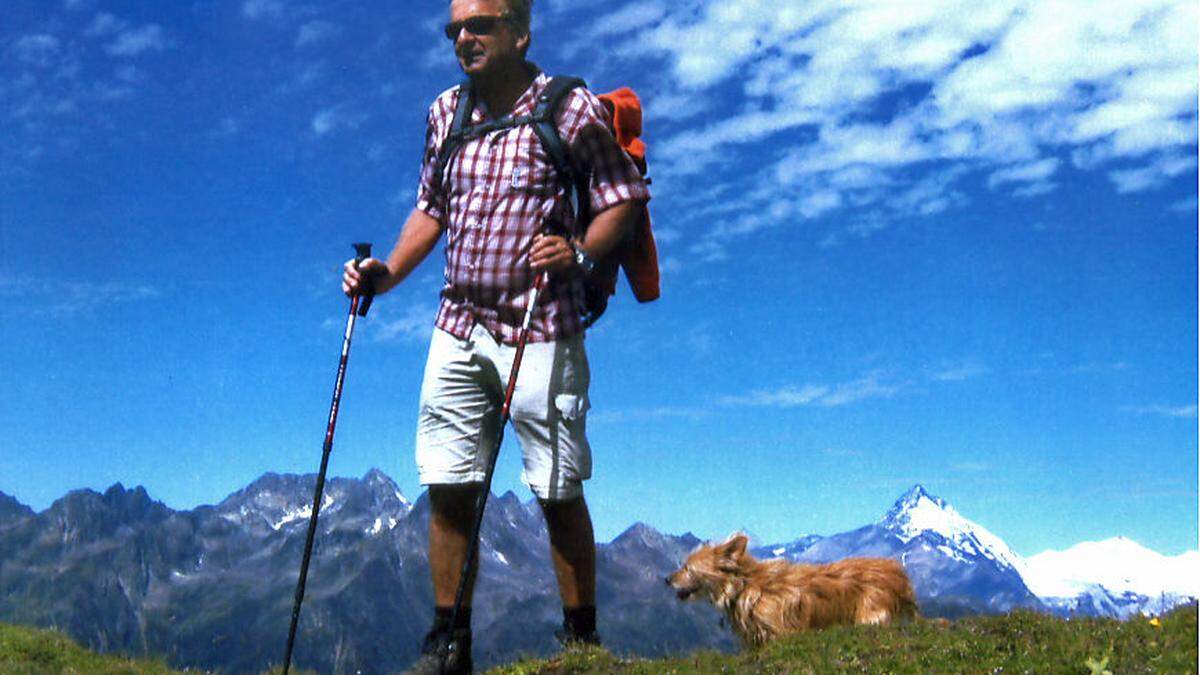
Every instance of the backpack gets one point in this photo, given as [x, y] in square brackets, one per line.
[636, 254]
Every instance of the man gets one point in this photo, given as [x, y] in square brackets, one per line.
[497, 197]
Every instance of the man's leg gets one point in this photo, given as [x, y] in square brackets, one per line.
[573, 550]
[452, 509]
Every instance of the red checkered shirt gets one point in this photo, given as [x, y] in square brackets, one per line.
[498, 192]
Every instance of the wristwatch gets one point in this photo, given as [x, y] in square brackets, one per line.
[584, 261]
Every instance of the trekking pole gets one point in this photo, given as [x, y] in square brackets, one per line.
[470, 565]
[362, 252]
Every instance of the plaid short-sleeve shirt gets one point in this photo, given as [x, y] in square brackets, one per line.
[500, 190]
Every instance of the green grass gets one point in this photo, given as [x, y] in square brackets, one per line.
[34, 651]
[1021, 642]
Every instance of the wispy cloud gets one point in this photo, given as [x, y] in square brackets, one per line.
[1147, 177]
[959, 372]
[315, 32]
[104, 25]
[149, 38]
[653, 414]
[1181, 411]
[1091, 368]
[829, 396]
[46, 297]
[1029, 172]
[972, 467]
[413, 324]
[341, 116]
[873, 95]
[39, 49]
[262, 9]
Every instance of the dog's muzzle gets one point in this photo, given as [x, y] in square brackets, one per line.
[681, 593]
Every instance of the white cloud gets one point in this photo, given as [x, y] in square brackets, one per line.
[336, 117]
[103, 25]
[785, 397]
[654, 414]
[1144, 178]
[1181, 411]
[38, 50]
[66, 298]
[1002, 87]
[262, 9]
[1035, 189]
[1186, 205]
[414, 324]
[828, 396]
[1028, 172]
[960, 372]
[315, 32]
[627, 19]
[149, 38]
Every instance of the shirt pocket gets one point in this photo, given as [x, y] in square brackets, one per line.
[532, 173]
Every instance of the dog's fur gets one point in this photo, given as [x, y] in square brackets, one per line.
[765, 599]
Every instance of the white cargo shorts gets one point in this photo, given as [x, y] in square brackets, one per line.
[461, 397]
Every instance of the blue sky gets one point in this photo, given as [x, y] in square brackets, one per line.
[944, 242]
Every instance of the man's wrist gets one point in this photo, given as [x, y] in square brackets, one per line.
[584, 262]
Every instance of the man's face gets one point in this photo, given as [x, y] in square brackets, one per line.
[491, 44]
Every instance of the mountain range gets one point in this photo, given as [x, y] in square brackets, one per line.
[212, 587]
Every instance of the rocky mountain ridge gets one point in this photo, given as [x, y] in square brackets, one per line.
[212, 587]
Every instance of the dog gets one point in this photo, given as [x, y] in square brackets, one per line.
[763, 600]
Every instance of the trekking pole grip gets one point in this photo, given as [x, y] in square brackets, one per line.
[362, 251]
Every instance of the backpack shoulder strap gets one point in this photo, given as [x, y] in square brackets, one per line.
[544, 112]
[458, 127]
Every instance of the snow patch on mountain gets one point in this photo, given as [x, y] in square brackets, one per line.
[378, 525]
[1119, 565]
[302, 513]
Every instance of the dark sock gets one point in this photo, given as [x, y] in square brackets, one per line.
[442, 616]
[580, 620]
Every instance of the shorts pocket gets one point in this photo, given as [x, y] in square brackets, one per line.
[570, 406]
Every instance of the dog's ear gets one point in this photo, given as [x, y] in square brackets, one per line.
[735, 546]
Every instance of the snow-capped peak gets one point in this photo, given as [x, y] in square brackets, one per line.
[1118, 564]
[918, 513]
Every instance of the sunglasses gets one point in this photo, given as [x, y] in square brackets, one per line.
[476, 25]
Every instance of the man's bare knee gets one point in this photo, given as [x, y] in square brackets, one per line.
[454, 504]
[563, 512]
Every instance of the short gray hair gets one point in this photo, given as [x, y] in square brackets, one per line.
[519, 12]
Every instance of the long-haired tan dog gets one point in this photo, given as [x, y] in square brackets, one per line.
[765, 599]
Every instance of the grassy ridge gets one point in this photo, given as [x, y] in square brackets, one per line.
[32, 651]
[1021, 642]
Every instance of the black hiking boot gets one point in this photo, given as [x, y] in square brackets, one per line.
[570, 639]
[578, 628]
[444, 653]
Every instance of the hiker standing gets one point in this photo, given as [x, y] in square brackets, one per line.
[507, 217]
